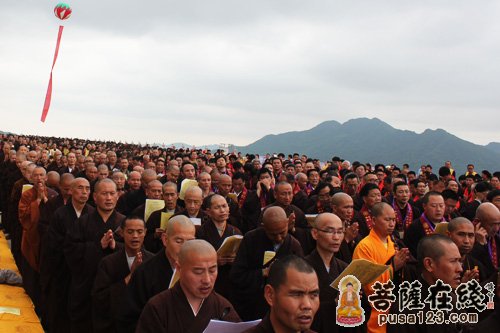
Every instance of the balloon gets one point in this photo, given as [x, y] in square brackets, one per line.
[62, 11]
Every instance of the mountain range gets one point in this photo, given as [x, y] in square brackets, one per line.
[374, 141]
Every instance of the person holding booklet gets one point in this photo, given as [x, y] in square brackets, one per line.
[191, 303]
[215, 231]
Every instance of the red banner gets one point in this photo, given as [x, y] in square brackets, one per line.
[48, 96]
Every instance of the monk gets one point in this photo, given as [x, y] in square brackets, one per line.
[109, 292]
[54, 271]
[90, 239]
[328, 232]
[153, 276]
[378, 247]
[293, 295]
[343, 207]
[153, 192]
[249, 272]
[191, 303]
[215, 231]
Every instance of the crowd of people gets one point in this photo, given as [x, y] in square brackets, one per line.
[93, 260]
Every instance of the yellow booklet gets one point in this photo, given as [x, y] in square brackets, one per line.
[268, 256]
[186, 183]
[230, 246]
[152, 205]
[27, 187]
[365, 270]
[164, 219]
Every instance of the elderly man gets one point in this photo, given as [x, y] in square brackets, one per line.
[91, 239]
[487, 246]
[191, 303]
[343, 207]
[289, 277]
[154, 191]
[154, 275]
[54, 271]
[109, 293]
[249, 271]
[133, 199]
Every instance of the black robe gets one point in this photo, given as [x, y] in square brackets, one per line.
[324, 321]
[55, 276]
[170, 311]
[246, 273]
[482, 254]
[130, 201]
[413, 234]
[83, 251]
[151, 242]
[208, 231]
[109, 293]
[148, 280]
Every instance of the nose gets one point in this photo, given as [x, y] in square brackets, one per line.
[306, 303]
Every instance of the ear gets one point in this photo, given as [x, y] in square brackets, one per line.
[269, 294]
[428, 264]
[164, 238]
[314, 233]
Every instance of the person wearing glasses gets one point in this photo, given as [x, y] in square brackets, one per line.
[328, 232]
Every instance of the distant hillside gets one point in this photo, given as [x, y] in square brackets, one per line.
[495, 146]
[374, 141]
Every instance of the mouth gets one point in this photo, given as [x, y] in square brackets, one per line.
[205, 290]
[304, 320]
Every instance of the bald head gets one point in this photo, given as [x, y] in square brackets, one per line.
[327, 219]
[339, 198]
[196, 248]
[179, 222]
[194, 191]
[148, 176]
[458, 223]
[273, 216]
[489, 216]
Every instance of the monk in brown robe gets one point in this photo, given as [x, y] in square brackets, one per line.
[91, 239]
[191, 303]
[215, 231]
[110, 287]
[153, 276]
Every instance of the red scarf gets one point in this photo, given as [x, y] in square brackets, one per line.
[400, 224]
[492, 248]
[368, 217]
[243, 197]
[427, 225]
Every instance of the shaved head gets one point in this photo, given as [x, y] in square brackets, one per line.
[340, 197]
[182, 221]
[196, 247]
[273, 215]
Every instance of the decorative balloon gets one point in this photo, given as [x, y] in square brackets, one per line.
[62, 11]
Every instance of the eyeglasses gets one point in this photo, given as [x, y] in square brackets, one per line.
[338, 232]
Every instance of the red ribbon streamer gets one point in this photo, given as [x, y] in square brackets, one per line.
[48, 96]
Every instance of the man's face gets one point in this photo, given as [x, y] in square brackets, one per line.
[314, 178]
[193, 203]
[434, 209]
[133, 235]
[324, 196]
[205, 181]
[496, 201]
[345, 210]
[277, 232]
[160, 167]
[284, 194]
[402, 194]
[469, 182]
[198, 274]
[170, 197]
[238, 185]
[154, 191]
[384, 223]
[80, 191]
[291, 170]
[112, 158]
[360, 171]
[220, 163]
[448, 267]
[119, 180]
[173, 175]
[91, 173]
[374, 196]
[453, 185]
[65, 188]
[298, 168]
[277, 166]
[308, 166]
[134, 181]
[329, 234]
[421, 188]
[32, 156]
[495, 183]
[71, 159]
[463, 237]
[224, 185]
[174, 241]
[336, 182]
[295, 302]
[218, 210]
[38, 176]
[371, 178]
[302, 181]
[449, 206]
[188, 171]
[351, 186]
[105, 197]
[124, 164]
[103, 173]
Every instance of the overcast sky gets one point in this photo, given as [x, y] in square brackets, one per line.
[230, 71]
